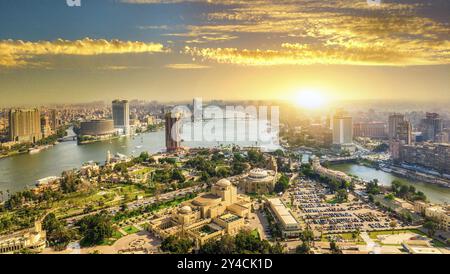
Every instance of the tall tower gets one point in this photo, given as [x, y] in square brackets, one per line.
[173, 126]
[121, 115]
[25, 125]
[431, 126]
[404, 132]
[342, 130]
[394, 120]
[197, 110]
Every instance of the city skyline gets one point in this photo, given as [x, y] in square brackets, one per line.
[230, 50]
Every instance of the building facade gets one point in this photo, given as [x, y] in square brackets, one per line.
[431, 126]
[121, 115]
[97, 128]
[376, 130]
[25, 125]
[173, 126]
[206, 217]
[33, 239]
[433, 156]
[342, 130]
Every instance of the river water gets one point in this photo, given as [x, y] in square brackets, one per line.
[21, 171]
[434, 193]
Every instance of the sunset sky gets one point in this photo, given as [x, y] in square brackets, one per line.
[171, 50]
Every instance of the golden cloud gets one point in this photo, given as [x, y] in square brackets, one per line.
[17, 53]
[303, 54]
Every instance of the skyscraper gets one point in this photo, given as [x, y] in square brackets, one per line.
[54, 122]
[25, 125]
[404, 132]
[431, 126]
[394, 120]
[121, 115]
[197, 110]
[172, 131]
[342, 130]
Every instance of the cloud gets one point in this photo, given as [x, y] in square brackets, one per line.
[326, 32]
[18, 53]
[186, 66]
[304, 54]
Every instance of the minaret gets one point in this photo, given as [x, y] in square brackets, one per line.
[108, 157]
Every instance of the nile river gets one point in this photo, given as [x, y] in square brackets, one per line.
[434, 193]
[21, 171]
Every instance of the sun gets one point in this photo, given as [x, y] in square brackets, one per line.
[310, 99]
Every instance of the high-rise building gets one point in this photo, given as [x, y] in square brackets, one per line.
[45, 127]
[173, 139]
[394, 120]
[342, 130]
[431, 126]
[54, 121]
[25, 125]
[121, 115]
[404, 132]
[197, 110]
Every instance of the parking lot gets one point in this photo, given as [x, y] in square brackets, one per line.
[311, 203]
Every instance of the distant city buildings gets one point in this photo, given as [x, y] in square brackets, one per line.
[173, 127]
[25, 125]
[121, 116]
[399, 129]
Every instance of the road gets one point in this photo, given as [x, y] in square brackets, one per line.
[143, 202]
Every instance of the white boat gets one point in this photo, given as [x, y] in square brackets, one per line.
[34, 150]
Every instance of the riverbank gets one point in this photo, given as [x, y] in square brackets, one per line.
[418, 176]
[435, 193]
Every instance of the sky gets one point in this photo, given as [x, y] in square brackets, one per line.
[172, 50]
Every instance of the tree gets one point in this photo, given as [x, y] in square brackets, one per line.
[341, 195]
[372, 187]
[58, 236]
[245, 242]
[282, 184]
[431, 227]
[334, 247]
[177, 245]
[304, 248]
[95, 228]
[177, 175]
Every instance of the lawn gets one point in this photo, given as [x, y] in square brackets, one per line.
[346, 237]
[374, 234]
[130, 229]
[115, 236]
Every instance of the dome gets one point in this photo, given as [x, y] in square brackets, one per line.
[258, 173]
[185, 210]
[223, 183]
